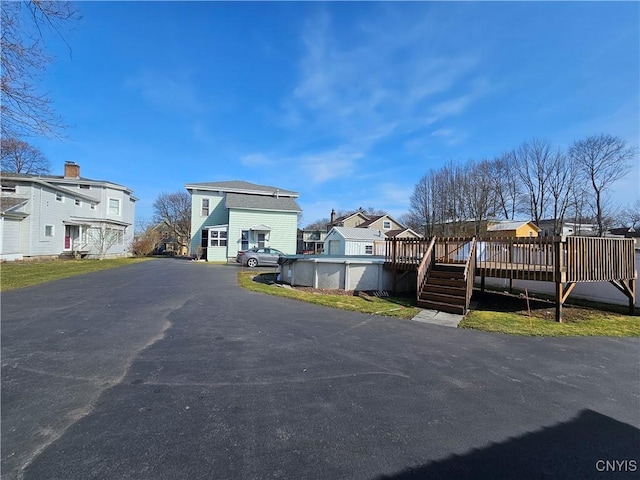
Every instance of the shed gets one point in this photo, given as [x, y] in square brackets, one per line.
[354, 241]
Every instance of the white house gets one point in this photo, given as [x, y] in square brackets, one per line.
[236, 215]
[354, 241]
[50, 216]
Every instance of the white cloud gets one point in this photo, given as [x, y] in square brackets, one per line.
[256, 160]
[348, 89]
[175, 92]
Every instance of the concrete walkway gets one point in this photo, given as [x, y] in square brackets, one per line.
[438, 318]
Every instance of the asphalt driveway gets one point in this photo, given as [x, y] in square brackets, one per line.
[168, 370]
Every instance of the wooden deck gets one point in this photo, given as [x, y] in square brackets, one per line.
[562, 260]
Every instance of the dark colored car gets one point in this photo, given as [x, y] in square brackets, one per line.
[258, 257]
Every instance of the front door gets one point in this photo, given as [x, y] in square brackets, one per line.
[71, 236]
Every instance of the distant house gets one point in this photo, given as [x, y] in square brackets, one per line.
[311, 241]
[354, 241]
[568, 228]
[351, 220]
[512, 229]
[383, 223]
[54, 215]
[236, 215]
[404, 232]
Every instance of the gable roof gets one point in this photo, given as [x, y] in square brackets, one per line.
[54, 181]
[502, 226]
[375, 218]
[342, 218]
[261, 202]
[355, 233]
[239, 186]
[396, 232]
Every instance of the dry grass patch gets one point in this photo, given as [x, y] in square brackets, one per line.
[25, 274]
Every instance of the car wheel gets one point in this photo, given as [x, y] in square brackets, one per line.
[252, 262]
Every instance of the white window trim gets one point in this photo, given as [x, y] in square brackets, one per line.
[218, 228]
[386, 224]
[202, 201]
[53, 231]
[59, 197]
[119, 207]
[367, 247]
[78, 202]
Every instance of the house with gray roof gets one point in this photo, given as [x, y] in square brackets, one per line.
[58, 215]
[235, 215]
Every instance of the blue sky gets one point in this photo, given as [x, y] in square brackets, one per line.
[347, 103]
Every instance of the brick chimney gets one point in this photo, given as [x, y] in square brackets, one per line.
[71, 170]
[333, 217]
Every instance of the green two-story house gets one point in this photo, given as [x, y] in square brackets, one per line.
[235, 215]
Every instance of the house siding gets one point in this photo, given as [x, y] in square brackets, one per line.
[283, 235]
[218, 215]
[43, 209]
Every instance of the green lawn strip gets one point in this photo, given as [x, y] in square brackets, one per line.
[400, 307]
[25, 274]
[596, 323]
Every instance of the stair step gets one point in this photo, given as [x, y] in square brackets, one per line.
[443, 298]
[446, 274]
[446, 289]
[450, 282]
[442, 307]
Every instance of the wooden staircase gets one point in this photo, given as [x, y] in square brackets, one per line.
[445, 275]
[445, 289]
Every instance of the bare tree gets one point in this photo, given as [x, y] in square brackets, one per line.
[20, 157]
[602, 160]
[479, 194]
[104, 237]
[630, 216]
[174, 210]
[506, 186]
[422, 206]
[532, 161]
[562, 179]
[25, 110]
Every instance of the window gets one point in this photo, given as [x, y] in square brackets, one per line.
[59, 197]
[204, 238]
[261, 240]
[84, 186]
[218, 237]
[78, 202]
[9, 187]
[368, 249]
[48, 230]
[93, 206]
[114, 206]
[205, 207]
[386, 224]
[244, 240]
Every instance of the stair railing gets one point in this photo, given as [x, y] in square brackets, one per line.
[428, 260]
[470, 272]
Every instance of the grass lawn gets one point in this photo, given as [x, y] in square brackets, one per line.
[401, 307]
[25, 274]
[494, 312]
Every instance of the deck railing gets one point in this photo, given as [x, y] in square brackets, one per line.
[470, 272]
[425, 265]
[534, 258]
[592, 259]
[556, 259]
